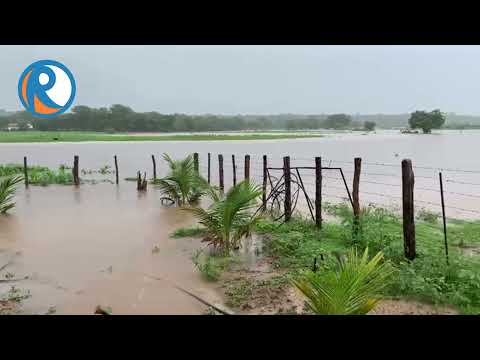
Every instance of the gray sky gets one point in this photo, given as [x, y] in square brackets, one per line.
[260, 79]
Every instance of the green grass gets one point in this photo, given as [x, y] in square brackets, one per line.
[79, 136]
[212, 266]
[188, 232]
[428, 278]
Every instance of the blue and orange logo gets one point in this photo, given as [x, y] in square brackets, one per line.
[46, 88]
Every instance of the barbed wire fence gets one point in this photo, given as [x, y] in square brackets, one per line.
[380, 185]
[294, 184]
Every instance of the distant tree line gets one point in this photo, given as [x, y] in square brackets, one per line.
[120, 118]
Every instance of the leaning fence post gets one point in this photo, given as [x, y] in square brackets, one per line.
[264, 186]
[355, 195]
[76, 179]
[195, 162]
[234, 171]
[318, 192]
[408, 181]
[139, 180]
[247, 167]
[444, 218]
[288, 194]
[209, 168]
[154, 168]
[220, 171]
[25, 171]
[116, 169]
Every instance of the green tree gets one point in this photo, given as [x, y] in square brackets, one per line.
[369, 125]
[338, 121]
[426, 120]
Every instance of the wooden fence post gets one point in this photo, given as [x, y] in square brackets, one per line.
[408, 181]
[154, 168]
[247, 167]
[195, 162]
[264, 186]
[141, 184]
[220, 171]
[25, 171]
[318, 192]
[76, 179]
[288, 193]
[355, 194]
[234, 171]
[116, 169]
[209, 168]
[444, 217]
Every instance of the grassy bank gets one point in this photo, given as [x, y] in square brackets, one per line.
[78, 136]
[293, 247]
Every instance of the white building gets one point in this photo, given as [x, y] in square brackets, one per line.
[12, 126]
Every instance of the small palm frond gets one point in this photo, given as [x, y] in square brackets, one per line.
[183, 184]
[168, 189]
[352, 290]
[7, 191]
[229, 217]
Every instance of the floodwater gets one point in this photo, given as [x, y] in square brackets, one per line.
[454, 151]
[92, 245]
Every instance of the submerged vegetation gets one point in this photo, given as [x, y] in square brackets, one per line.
[43, 176]
[211, 266]
[10, 302]
[189, 232]
[40, 175]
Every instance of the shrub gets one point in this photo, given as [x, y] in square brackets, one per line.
[352, 289]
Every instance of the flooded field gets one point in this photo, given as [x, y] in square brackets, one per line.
[381, 153]
[92, 245]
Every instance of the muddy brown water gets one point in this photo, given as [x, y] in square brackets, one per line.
[380, 184]
[89, 246]
[93, 246]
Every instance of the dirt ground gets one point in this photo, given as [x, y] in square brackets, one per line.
[255, 292]
[410, 307]
[8, 307]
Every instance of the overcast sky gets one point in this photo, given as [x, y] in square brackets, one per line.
[260, 79]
